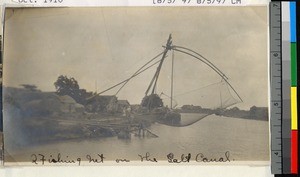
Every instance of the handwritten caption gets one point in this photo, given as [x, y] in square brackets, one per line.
[41, 159]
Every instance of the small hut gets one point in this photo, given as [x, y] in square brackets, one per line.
[123, 104]
[69, 105]
[102, 103]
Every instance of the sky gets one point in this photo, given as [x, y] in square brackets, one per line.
[100, 47]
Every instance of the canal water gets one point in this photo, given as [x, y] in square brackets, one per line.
[213, 136]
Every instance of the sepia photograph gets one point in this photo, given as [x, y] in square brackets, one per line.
[179, 85]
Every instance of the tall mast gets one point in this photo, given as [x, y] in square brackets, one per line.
[172, 80]
[156, 75]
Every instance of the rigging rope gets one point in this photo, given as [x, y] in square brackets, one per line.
[197, 89]
[138, 71]
[202, 58]
[126, 80]
[212, 67]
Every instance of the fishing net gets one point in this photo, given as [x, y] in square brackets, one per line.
[196, 104]
[191, 87]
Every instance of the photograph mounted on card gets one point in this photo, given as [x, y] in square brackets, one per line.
[142, 85]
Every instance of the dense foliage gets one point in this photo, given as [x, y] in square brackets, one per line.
[152, 101]
[69, 86]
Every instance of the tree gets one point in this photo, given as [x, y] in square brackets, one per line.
[70, 86]
[152, 101]
[253, 111]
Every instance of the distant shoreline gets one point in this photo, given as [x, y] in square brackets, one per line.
[254, 113]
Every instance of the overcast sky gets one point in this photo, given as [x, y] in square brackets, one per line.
[102, 46]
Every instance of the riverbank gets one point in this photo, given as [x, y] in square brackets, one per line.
[79, 126]
[68, 126]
